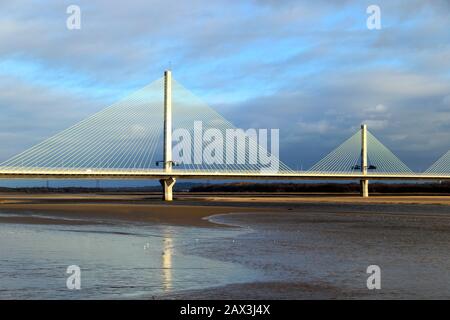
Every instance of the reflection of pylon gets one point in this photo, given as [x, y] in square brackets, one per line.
[97, 184]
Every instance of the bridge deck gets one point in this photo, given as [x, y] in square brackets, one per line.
[95, 174]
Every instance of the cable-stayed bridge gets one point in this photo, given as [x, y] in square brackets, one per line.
[134, 139]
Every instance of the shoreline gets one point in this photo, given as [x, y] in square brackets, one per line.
[79, 213]
[303, 249]
[273, 198]
[194, 210]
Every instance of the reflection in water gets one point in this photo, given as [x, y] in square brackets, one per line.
[113, 262]
[167, 262]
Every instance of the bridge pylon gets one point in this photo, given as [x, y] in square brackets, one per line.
[364, 163]
[168, 183]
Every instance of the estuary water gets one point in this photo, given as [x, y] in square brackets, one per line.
[116, 261]
[311, 252]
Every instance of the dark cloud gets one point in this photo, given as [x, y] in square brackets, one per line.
[309, 68]
[390, 102]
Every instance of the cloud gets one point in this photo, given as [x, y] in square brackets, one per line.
[311, 69]
[32, 113]
[410, 118]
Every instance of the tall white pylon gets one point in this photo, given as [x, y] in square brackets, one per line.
[168, 184]
[168, 121]
[364, 182]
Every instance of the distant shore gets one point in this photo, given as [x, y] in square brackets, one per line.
[299, 187]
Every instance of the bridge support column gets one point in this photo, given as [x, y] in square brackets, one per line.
[364, 188]
[364, 163]
[167, 185]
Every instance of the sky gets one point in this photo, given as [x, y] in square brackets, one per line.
[310, 68]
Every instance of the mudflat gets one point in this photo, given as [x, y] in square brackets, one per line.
[301, 246]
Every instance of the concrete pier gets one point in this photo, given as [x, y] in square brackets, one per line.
[168, 184]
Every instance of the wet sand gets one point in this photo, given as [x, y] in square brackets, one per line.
[95, 209]
[337, 199]
[308, 247]
[323, 253]
[192, 209]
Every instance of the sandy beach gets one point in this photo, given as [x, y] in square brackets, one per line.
[301, 246]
